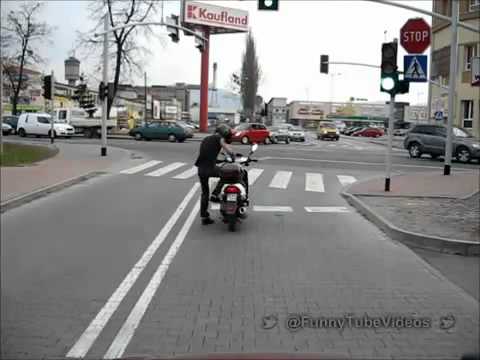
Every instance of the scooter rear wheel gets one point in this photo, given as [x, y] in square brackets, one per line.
[232, 225]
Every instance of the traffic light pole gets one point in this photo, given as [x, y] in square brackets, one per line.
[451, 88]
[52, 118]
[388, 160]
[105, 81]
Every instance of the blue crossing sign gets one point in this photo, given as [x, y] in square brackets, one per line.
[415, 68]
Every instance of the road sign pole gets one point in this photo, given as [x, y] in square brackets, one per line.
[452, 83]
[1, 105]
[430, 118]
[103, 151]
[52, 129]
[388, 160]
[204, 83]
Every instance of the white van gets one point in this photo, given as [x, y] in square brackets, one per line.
[40, 124]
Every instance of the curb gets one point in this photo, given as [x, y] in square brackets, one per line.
[412, 239]
[42, 192]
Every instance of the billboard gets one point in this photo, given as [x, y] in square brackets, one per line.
[156, 109]
[218, 18]
[306, 111]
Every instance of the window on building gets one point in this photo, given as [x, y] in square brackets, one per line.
[474, 5]
[470, 52]
[467, 118]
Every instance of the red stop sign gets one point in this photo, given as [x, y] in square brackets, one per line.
[415, 36]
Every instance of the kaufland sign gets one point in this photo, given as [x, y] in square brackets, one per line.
[215, 16]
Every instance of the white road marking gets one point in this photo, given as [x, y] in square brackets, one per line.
[272, 208]
[326, 209]
[346, 179]
[187, 174]
[314, 182]
[358, 162]
[281, 179]
[166, 169]
[142, 167]
[125, 334]
[86, 340]
[253, 175]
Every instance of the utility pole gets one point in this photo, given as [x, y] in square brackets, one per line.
[146, 99]
[451, 86]
[106, 26]
[429, 104]
[52, 111]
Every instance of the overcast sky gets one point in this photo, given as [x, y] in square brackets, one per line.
[289, 44]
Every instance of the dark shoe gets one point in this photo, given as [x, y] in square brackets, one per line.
[214, 198]
[207, 221]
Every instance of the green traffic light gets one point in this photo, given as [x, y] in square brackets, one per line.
[388, 83]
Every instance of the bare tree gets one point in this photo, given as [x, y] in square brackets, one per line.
[126, 51]
[251, 74]
[21, 32]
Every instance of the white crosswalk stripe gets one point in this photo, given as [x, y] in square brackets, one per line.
[281, 180]
[253, 175]
[141, 167]
[346, 179]
[326, 209]
[186, 174]
[314, 182]
[166, 169]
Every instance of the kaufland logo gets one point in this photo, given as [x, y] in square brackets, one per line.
[222, 17]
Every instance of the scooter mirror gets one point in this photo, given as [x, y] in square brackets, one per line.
[254, 147]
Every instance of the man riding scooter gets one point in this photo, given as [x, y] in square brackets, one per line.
[207, 167]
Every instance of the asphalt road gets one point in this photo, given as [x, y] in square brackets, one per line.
[121, 266]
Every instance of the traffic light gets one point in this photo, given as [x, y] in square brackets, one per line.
[173, 31]
[199, 42]
[324, 64]
[47, 87]
[390, 80]
[79, 91]
[389, 73]
[267, 4]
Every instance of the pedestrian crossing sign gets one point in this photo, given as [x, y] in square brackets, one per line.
[415, 67]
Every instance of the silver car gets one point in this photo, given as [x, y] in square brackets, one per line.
[431, 140]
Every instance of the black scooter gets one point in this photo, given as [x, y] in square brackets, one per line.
[234, 194]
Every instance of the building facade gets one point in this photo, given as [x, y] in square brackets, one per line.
[276, 111]
[467, 98]
[305, 113]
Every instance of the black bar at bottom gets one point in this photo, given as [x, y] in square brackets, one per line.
[446, 170]
[104, 151]
[387, 184]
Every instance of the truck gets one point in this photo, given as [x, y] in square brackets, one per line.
[79, 119]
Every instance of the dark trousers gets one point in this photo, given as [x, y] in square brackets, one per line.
[204, 175]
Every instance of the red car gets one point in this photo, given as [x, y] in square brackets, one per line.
[252, 133]
[369, 132]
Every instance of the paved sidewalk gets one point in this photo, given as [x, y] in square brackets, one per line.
[71, 161]
[429, 204]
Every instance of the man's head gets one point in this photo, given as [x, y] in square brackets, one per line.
[225, 132]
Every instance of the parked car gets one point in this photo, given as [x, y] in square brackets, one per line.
[352, 129]
[369, 132]
[189, 129]
[40, 124]
[400, 132]
[11, 120]
[296, 133]
[431, 140]
[279, 134]
[252, 133]
[6, 129]
[327, 130]
[164, 130]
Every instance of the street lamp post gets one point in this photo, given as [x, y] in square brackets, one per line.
[106, 26]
